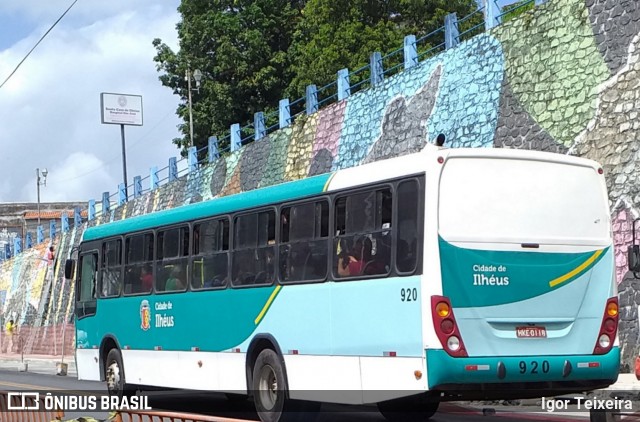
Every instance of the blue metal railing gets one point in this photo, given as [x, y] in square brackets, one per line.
[363, 76]
[393, 62]
[468, 27]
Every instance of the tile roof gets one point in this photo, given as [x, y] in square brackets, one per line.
[51, 215]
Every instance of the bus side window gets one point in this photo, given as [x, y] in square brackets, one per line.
[209, 268]
[173, 258]
[304, 241]
[407, 249]
[138, 259]
[253, 257]
[111, 271]
[363, 234]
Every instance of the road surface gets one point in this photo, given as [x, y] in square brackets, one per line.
[218, 405]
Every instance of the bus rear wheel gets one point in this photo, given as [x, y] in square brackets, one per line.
[409, 409]
[270, 392]
[114, 375]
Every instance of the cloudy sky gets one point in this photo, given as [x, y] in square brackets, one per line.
[50, 109]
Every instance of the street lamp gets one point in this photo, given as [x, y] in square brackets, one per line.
[197, 76]
[40, 183]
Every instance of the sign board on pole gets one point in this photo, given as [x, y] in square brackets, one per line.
[121, 109]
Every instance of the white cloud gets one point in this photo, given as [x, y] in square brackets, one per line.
[50, 109]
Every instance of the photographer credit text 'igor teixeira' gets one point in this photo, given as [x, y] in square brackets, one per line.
[583, 403]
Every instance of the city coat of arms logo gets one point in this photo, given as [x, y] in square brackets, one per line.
[145, 315]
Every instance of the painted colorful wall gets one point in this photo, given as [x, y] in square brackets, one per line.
[563, 77]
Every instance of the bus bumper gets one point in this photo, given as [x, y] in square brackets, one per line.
[446, 372]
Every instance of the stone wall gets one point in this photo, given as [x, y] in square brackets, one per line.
[562, 77]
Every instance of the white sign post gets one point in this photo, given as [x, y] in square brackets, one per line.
[121, 109]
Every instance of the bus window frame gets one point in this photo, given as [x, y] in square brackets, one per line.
[391, 185]
[183, 224]
[100, 269]
[152, 262]
[315, 199]
[421, 181]
[192, 256]
[232, 249]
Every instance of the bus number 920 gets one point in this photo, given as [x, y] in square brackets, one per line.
[409, 294]
[534, 367]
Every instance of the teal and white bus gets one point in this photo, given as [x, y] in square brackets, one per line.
[449, 274]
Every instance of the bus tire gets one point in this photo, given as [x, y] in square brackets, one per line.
[270, 390]
[114, 375]
[409, 409]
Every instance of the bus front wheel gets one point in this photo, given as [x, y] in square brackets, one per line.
[270, 390]
[410, 409]
[114, 375]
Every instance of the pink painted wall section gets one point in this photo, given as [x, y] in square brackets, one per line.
[329, 128]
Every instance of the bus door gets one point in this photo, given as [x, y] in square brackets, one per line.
[87, 284]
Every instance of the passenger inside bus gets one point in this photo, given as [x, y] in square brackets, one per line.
[361, 261]
[146, 278]
[174, 282]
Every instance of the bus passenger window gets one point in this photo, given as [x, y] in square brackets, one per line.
[364, 234]
[209, 267]
[138, 274]
[111, 271]
[304, 242]
[407, 246]
[253, 257]
[173, 259]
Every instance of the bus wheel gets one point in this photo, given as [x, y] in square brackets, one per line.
[269, 390]
[410, 409]
[114, 374]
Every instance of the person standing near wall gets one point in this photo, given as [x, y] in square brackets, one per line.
[10, 329]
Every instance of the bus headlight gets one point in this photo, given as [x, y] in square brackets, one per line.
[604, 341]
[453, 343]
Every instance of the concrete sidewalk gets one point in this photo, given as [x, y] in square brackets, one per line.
[39, 364]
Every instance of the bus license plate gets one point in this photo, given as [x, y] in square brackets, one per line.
[531, 332]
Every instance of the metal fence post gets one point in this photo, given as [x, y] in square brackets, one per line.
[284, 113]
[312, 99]
[451, 31]
[344, 89]
[410, 52]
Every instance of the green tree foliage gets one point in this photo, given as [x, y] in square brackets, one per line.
[241, 48]
[254, 52]
[516, 9]
[336, 34]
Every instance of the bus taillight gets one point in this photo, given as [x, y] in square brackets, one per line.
[446, 328]
[608, 328]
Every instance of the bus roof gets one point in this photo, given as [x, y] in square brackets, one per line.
[255, 198]
[367, 173]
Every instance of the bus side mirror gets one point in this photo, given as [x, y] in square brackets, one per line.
[68, 269]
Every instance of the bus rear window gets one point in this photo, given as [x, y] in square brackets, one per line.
[499, 200]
